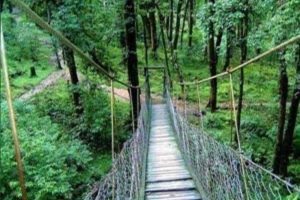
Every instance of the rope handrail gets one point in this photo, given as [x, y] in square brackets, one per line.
[44, 25]
[220, 170]
[262, 55]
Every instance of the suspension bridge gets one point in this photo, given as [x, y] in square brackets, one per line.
[167, 156]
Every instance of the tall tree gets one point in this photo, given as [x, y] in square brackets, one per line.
[161, 23]
[244, 28]
[218, 43]
[212, 58]
[183, 21]
[283, 94]
[191, 21]
[171, 19]
[229, 47]
[133, 76]
[292, 118]
[289, 18]
[53, 41]
[149, 20]
[70, 59]
[177, 26]
[153, 32]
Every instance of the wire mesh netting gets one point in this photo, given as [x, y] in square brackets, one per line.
[221, 172]
[125, 180]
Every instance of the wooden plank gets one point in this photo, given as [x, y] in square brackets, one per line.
[163, 148]
[153, 158]
[174, 195]
[162, 139]
[156, 152]
[168, 177]
[160, 128]
[168, 169]
[170, 185]
[171, 172]
[164, 164]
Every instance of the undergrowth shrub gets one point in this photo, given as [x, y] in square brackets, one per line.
[94, 125]
[54, 162]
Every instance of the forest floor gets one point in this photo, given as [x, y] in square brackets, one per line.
[63, 74]
[47, 82]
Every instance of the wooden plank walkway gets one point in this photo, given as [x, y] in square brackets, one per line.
[167, 176]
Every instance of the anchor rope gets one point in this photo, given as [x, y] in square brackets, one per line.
[12, 117]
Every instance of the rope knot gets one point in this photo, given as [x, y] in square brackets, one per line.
[228, 70]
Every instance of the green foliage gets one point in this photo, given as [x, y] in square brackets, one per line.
[26, 47]
[53, 161]
[212, 122]
[254, 125]
[94, 126]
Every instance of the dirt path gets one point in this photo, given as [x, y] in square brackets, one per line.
[54, 77]
[49, 81]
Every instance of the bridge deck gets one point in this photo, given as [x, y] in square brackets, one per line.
[167, 176]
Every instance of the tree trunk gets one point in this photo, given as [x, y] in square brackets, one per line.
[53, 41]
[167, 24]
[171, 19]
[9, 5]
[177, 27]
[123, 46]
[153, 33]
[161, 22]
[212, 62]
[283, 94]
[32, 72]
[133, 76]
[244, 51]
[240, 102]
[59, 66]
[145, 44]
[218, 44]
[228, 54]
[292, 118]
[191, 21]
[70, 59]
[183, 22]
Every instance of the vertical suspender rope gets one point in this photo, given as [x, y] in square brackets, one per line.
[231, 114]
[238, 137]
[112, 112]
[131, 109]
[132, 118]
[12, 114]
[199, 107]
[185, 116]
[135, 146]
